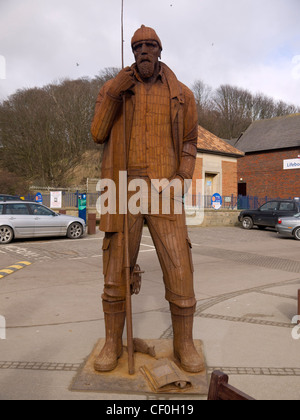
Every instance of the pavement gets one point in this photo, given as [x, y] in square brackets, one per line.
[246, 285]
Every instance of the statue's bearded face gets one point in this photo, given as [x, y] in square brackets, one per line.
[146, 55]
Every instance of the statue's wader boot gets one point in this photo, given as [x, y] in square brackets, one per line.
[114, 315]
[184, 348]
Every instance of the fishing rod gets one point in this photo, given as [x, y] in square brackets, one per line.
[126, 264]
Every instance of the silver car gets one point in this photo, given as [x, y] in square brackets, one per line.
[24, 219]
[289, 226]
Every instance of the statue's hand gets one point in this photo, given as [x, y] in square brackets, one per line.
[123, 82]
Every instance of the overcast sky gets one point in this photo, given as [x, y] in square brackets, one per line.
[253, 44]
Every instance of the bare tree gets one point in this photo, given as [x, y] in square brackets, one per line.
[229, 110]
[45, 131]
[234, 107]
[203, 95]
[283, 108]
[107, 74]
[10, 183]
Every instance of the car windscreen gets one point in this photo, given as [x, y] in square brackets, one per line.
[39, 210]
[270, 206]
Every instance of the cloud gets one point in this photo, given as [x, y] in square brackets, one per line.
[249, 43]
[296, 67]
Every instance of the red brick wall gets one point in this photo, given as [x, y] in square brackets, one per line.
[229, 177]
[197, 173]
[265, 176]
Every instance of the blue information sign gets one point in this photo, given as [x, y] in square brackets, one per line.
[39, 198]
[216, 201]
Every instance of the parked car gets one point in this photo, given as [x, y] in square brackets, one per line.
[289, 226]
[268, 214]
[6, 197]
[28, 219]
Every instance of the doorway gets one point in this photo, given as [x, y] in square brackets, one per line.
[211, 184]
[242, 189]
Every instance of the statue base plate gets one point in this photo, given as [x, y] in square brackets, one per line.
[120, 382]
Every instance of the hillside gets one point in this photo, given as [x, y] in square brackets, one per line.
[89, 167]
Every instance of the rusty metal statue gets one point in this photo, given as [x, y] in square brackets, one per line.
[157, 115]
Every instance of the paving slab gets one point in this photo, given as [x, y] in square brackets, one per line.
[246, 285]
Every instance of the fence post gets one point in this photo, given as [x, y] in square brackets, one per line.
[77, 198]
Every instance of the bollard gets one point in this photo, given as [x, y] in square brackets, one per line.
[92, 223]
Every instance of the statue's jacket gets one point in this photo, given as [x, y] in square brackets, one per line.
[108, 127]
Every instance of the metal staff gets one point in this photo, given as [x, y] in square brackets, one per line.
[126, 263]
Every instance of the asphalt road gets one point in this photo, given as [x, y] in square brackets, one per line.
[246, 285]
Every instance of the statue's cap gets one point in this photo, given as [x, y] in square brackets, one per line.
[145, 34]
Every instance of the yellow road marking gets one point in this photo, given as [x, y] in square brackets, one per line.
[18, 267]
[13, 268]
[6, 271]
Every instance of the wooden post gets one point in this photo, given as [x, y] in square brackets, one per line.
[220, 390]
[92, 218]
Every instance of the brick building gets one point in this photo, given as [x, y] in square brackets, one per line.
[216, 164]
[271, 166]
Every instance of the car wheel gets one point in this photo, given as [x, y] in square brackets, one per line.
[297, 234]
[6, 235]
[247, 223]
[75, 230]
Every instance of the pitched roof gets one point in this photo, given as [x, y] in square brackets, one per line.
[275, 133]
[209, 143]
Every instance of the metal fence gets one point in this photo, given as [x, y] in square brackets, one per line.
[252, 202]
[239, 202]
[205, 202]
[232, 202]
[69, 199]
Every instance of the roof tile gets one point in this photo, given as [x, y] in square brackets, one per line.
[272, 134]
[208, 142]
